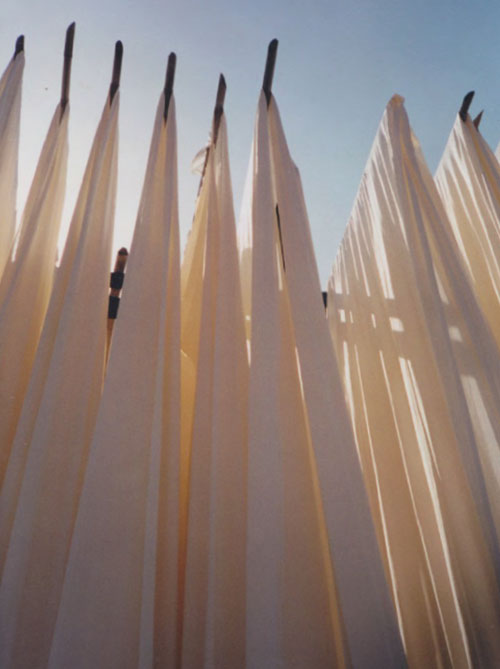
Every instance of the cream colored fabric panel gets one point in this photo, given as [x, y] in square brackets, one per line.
[214, 607]
[468, 180]
[69, 373]
[119, 601]
[367, 609]
[27, 282]
[10, 114]
[410, 416]
[292, 613]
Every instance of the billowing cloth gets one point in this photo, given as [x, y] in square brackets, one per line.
[119, 601]
[10, 115]
[213, 341]
[396, 272]
[316, 591]
[44, 477]
[26, 282]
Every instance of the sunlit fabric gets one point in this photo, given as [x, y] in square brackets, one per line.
[43, 480]
[395, 275]
[120, 597]
[316, 591]
[26, 282]
[468, 179]
[213, 341]
[10, 114]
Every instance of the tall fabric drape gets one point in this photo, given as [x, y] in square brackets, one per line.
[26, 282]
[213, 340]
[394, 275]
[311, 548]
[119, 600]
[10, 115]
[468, 180]
[44, 477]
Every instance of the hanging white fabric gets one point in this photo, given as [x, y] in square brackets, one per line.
[44, 477]
[420, 459]
[310, 549]
[10, 114]
[468, 179]
[120, 595]
[26, 282]
[213, 336]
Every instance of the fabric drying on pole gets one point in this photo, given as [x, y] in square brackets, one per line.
[119, 600]
[10, 114]
[419, 455]
[26, 282]
[213, 336]
[44, 477]
[302, 593]
[367, 610]
[468, 179]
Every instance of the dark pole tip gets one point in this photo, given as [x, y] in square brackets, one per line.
[117, 70]
[267, 82]
[19, 45]
[478, 118]
[123, 251]
[70, 36]
[219, 107]
[169, 82]
[68, 55]
[464, 109]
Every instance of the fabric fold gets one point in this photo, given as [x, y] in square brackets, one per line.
[119, 600]
[41, 490]
[395, 274]
[213, 338]
[26, 282]
[304, 575]
[10, 115]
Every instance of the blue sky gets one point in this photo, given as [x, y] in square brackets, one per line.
[338, 64]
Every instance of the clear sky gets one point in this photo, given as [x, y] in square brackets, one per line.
[339, 62]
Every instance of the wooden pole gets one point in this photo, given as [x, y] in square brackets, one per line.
[464, 109]
[169, 82]
[117, 70]
[267, 82]
[66, 77]
[19, 46]
[116, 284]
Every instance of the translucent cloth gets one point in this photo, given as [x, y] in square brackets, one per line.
[10, 115]
[26, 282]
[316, 591]
[213, 341]
[119, 601]
[396, 273]
[43, 481]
